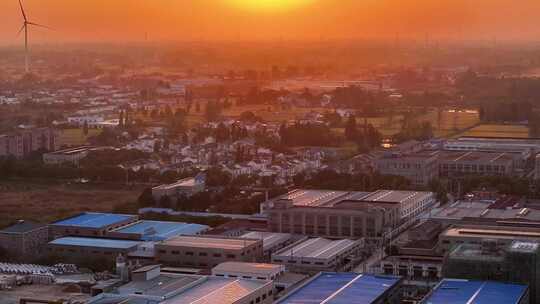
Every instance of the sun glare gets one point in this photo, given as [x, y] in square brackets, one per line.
[269, 5]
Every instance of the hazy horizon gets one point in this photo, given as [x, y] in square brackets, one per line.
[118, 21]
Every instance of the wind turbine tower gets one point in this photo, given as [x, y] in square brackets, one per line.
[24, 28]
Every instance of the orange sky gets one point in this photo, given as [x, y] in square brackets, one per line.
[129, 20]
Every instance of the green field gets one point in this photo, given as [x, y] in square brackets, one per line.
[75, 137]
[494, 130]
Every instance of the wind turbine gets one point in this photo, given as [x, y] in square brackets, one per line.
[24, 27]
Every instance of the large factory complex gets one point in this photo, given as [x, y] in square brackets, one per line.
[306, 246]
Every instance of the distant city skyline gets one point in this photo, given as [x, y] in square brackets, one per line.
[211, 20]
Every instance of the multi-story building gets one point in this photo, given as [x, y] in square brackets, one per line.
[419, 168]
[501, 236]
[206, 251]
[343, 214]
[332, 214]
[24, 239]
[22, 142]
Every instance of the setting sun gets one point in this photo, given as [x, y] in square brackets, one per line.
[269, 5]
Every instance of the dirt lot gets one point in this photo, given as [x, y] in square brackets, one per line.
[50, 201]
[41, 292]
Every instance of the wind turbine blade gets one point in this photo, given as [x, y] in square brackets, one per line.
[40, 25]
[20, 31]
[22, 10]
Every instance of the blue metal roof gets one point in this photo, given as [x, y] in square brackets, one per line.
[94, 220]
[95, 242]
[341, 288]
[159, 231]
[451, 291]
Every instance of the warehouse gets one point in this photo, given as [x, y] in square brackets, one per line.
[90, 224]
[346, 288]
[77, 248]
[251, 271]
[178, 289]
[318, 254]
[156, 230]
[346, 214]
[272, 241]
[206, 251]
[465, 291]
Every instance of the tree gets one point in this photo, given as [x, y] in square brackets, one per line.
[85, 128]
[121, 119]
[213, 111]
[146, 199]
[165, 202]
[222, 133]
[351, 131]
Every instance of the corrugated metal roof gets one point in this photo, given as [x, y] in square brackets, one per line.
[316, 248]
[94, 220]
[451, 291]
[159, 231]
[341, 288]
[95, 242]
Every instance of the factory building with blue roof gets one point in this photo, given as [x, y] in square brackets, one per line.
[345, 288]
[455, 291]
[156, 230]
[90, 224]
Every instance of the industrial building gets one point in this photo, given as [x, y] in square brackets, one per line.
[466, 292]
[526, 148]
[475, 234]
[156, 230]
[344, 214]
[184, 187]
[78, 248]
[476, 163]
[90, 224]
[70, 156]
[272, 241]
[517, 262]
[151, 286]
[419, 168]
[24, 239]
[251, 271]
[328, 287]
[319, 254]
[422, 167]
[206, 251]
